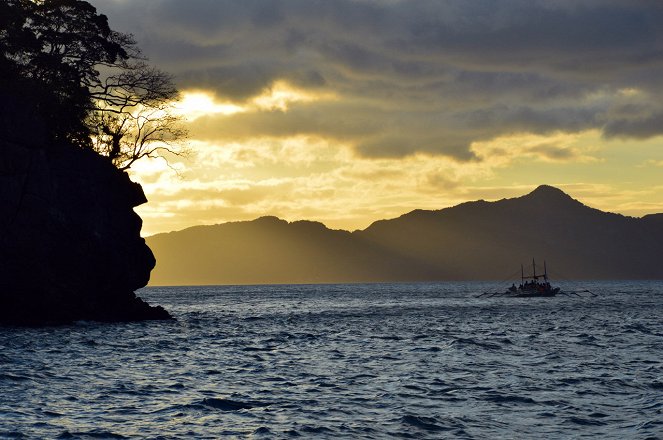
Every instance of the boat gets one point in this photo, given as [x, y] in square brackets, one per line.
[535, 285]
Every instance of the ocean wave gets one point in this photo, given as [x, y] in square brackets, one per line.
[506, 399]
[14, 377]
[13, 435]
[425, 423]
[229, 404]
[584, 421]
[263, 430]
[400, 361]
[94, 434]
[471, 342]
[316, 429]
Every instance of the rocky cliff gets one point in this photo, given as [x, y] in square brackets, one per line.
[70, 245]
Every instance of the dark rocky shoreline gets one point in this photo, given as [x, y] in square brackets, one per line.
[70, 244]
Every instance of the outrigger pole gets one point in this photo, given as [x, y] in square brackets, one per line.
[550, 291]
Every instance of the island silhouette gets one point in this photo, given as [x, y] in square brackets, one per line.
[70, 244]
[477, 240]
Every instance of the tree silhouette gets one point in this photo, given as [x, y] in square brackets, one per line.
[135, 117]
[89, 84]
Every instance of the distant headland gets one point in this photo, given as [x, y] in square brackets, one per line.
[473, 240]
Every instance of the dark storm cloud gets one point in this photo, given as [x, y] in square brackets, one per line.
[415, 76]
[639, 124]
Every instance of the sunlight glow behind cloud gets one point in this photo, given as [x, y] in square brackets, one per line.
[194, 104]
[281, 95]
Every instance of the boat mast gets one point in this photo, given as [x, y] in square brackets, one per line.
[534, 269]
[545, 271]
[522, 274]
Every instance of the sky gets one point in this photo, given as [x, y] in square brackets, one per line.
[350, 111]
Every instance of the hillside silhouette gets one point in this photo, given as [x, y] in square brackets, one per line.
[271, 250]
[473, 240]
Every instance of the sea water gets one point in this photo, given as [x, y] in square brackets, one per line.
[369, 361]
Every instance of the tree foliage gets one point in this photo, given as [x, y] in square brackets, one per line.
[90, 84]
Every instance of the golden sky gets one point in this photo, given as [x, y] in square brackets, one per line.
[349, 111]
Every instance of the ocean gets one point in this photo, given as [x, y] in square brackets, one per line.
[360, 361]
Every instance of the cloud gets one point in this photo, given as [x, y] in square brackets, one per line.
[641, 123]
[409, 77]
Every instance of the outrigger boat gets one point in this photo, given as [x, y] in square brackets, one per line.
[534, 286]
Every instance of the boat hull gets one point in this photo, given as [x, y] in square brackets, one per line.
[533, 293]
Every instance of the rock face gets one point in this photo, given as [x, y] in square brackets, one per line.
[70, 245]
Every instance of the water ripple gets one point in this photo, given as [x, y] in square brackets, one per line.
[345, 361]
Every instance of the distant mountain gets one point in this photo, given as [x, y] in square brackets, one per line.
[473, 240]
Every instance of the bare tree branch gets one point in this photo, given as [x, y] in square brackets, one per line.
[134, 116]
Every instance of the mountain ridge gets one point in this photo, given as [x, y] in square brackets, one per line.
[473, 240]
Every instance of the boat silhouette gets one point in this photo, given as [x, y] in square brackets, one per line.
[534, 286]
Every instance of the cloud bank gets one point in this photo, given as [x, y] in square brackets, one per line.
[416, 75]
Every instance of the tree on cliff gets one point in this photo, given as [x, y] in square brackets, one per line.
[134, 117]
[90, 84]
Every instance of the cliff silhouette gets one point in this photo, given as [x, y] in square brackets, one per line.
[473, 240]
[70, 244]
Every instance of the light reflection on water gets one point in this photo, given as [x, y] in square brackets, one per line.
[355, 361]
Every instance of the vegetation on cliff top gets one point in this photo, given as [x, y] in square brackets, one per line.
[81, 83]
